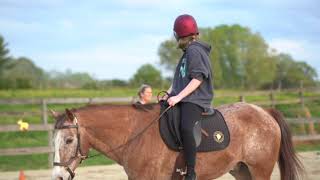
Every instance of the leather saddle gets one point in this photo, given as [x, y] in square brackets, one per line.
[211, 132]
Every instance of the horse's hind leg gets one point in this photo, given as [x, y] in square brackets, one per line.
[260, 173]
[241, 172]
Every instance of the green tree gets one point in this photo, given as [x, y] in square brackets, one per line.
[289, 73]
[69, 79]
[169, 54]
[284, 64]
[104, 84]
[4, 54]
[119, 83]
[259, 66]
[22, 73]
[239, 58]
[147, 74]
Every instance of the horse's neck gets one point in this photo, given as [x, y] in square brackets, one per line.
[112, 128]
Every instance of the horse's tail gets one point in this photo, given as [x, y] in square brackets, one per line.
[290, 166]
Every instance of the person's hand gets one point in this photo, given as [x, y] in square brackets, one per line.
[164, 97]
[173, 100]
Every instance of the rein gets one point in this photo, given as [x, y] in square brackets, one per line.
[136, 136]
[141, 132]
[78, 152]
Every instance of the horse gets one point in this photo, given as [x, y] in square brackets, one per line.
[259, 138]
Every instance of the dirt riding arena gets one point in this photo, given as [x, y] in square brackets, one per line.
[311, 161]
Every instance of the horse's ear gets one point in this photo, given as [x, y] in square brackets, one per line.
[54, 114]
[70, 115]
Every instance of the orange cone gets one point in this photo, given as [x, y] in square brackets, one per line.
[21, 175]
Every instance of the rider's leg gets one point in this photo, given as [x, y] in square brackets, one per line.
[190, 113]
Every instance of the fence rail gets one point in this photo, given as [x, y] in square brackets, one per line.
[25, 151]
[32, 127]
[302, 120]
[40, 150]
[67, 100]
[306, 138]
[43, 105]
[49, 127]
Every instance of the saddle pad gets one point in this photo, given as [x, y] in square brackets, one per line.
[215, 135]
[217, 131]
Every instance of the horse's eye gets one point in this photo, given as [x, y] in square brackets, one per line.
[69, 141]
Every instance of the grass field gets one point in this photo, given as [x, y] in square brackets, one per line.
[33, 139]
[40, 161]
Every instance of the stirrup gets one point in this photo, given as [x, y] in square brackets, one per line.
[181, 172]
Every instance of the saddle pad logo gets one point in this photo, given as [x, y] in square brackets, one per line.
[218, 136]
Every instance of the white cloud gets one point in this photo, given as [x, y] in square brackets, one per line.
[101, 36]
[299, 50]
[105, 61]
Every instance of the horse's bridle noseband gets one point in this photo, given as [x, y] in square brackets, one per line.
[78, 152]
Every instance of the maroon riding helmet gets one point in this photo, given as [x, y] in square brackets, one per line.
[185, 25]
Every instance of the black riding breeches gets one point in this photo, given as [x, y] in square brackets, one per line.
[190, 114]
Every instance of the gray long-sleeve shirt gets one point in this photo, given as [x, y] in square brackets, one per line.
[195, 63]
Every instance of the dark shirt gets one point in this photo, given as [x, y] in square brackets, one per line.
[195, 63]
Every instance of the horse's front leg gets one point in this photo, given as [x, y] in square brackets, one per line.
[153, 177]
[150, 175]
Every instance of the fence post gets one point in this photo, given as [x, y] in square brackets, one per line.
[273, 104]
[90, 100]
[301, 95]
[50, 155]
[44, 112]
[302, 126]
[241, 98]
[45, 122]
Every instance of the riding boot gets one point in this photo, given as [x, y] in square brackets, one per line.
[191, 175]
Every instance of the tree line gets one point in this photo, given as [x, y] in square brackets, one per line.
[22, 73]
[239, 59]
[243, 59]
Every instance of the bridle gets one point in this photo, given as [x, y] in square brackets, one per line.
[78, 152]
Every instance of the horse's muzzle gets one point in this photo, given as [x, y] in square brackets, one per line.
[60, 178]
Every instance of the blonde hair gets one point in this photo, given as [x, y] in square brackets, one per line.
[185, 41]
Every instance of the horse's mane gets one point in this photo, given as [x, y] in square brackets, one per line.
[109, 105]
[61, 118]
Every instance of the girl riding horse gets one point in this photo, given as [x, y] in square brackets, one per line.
[192, 84]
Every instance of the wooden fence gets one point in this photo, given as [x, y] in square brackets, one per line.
[43, 103]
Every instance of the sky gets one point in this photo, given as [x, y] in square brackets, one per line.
[112, 39]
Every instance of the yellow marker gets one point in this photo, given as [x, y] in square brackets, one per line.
[24, 126]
